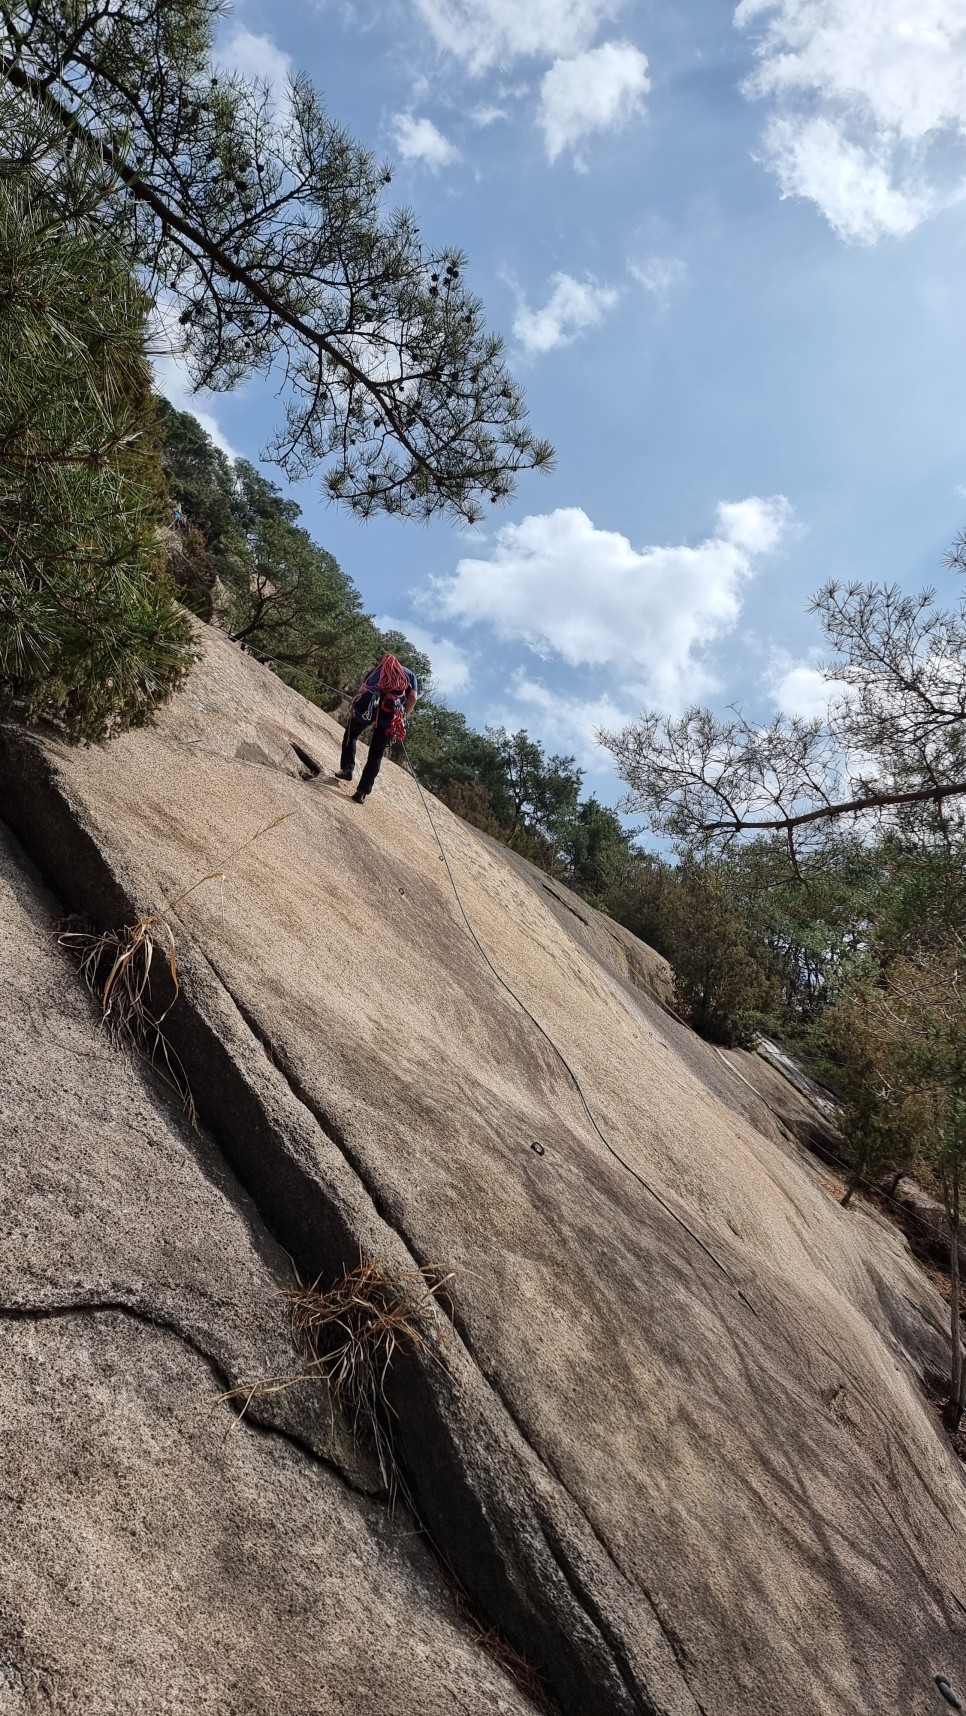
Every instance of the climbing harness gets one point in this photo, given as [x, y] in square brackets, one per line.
[393, 682]
[380, 695]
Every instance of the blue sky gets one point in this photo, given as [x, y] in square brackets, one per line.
[728, 255]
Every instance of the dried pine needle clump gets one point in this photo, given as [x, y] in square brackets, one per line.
[117, 967]
[350, 1333]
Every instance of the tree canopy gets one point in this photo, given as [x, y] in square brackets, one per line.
[240, 557]
[893, 737]
[90, 633]
[265, 226]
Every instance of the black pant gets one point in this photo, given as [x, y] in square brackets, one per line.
[377, 750]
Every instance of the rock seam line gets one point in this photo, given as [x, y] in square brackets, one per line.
[139, 1313]
[279, 1060]
[106, 893]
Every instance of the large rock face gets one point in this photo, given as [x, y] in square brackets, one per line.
[159, 1557]
[670, 1495]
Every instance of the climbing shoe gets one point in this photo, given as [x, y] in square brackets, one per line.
[343, 774]
[359, 797]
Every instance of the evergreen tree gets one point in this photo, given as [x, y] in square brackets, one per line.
[90, 633]
[904, 1043]
[885, 1124]
[595, 847]
[543, 791]
[268, 232]
[241, 558]
[724, 983]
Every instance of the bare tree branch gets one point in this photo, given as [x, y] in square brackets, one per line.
[893, 736]
[871, 801]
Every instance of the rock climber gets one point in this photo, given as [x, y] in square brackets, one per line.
[385, 698]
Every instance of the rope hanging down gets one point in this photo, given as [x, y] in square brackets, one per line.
[561, 1057]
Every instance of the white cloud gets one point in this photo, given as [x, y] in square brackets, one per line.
[256, 58]
[802, 687]
[600, 90]
[869, 106]
[851, 185]
[573, 305]
[450, 663]
[659, 275]
[419, 140]
[487, 115]
[567, 723]
[755, 526]
[484, 33]
[798, 687]
[171, 376]
[564, 587]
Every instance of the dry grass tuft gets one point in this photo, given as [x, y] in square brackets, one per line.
[117, 966]
[349, 1334]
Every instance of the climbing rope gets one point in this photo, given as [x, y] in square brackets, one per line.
[561, 1057]
[315, 768]
[941, 1681]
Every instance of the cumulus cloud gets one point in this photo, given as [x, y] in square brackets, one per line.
[573, 306]
[419, 140]
[567, 723]
[851, 184]
[599, 90]
[801, 687]
[659, 275]
[868, 107]
[450, 663]
[483, 33]
[256, 58]
[559, 584]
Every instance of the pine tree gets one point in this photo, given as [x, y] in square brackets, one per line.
[90, 633]
[266, 227]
